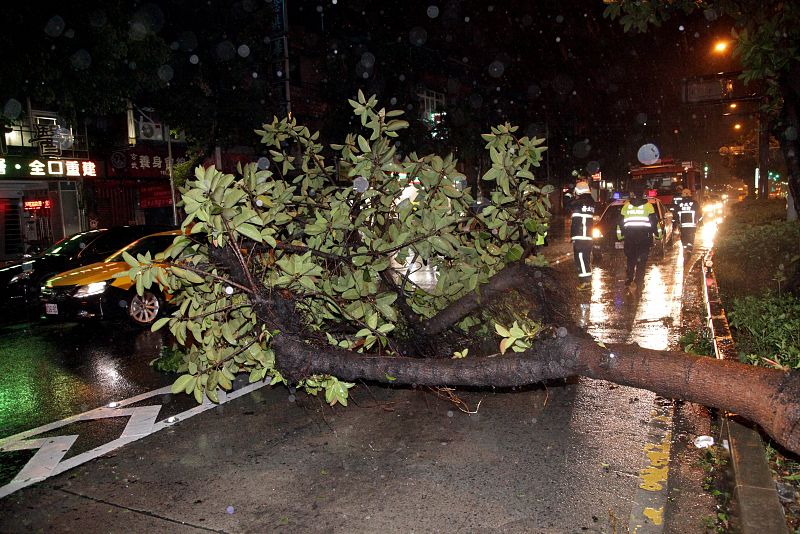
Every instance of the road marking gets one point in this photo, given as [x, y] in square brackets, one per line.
[142, 421]
[647, 513]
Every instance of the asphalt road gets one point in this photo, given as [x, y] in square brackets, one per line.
[592, 452]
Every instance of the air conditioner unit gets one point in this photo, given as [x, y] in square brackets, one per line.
[150, 131]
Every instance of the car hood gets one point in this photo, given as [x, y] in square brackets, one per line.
[94, 272]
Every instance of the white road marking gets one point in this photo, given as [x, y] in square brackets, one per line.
[142, 422]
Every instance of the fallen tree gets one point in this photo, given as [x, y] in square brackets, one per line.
[300, 273]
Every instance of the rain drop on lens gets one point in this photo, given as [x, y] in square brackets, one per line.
[360, 184]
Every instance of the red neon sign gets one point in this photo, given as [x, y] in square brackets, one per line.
[30, 205]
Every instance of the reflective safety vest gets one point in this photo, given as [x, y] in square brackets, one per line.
[583, 209]
[687, 213]
[634, 217]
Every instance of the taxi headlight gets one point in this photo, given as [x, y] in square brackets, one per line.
[596, 233]
[94, 288]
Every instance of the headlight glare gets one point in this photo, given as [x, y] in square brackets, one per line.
[596, 233]
[24, 275]
[95, 288]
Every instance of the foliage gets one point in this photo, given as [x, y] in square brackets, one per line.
[95, 57]
[518, 338]
[171, 360]
[300, 240]
[767, 38]
[698, 342]
[768, 329]
[787, 470]
[756, 212]
[714, 461]
[751, 257]
[92, 59]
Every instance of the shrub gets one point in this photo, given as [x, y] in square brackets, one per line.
[752, 212]
[751, 258]
[768, 329]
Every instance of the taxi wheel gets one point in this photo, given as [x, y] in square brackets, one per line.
[144, 309]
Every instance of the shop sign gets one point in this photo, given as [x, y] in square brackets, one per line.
[597, 176]
[47, 168]
[33, 205]
[155, 196]
[144, 162]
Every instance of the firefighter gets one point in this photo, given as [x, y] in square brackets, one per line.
[637, 225]
[582, 210]
[689, 216]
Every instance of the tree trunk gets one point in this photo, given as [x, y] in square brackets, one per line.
[767, 397]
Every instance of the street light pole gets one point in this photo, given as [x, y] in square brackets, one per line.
[171, 177]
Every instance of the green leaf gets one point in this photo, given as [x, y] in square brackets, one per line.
[159, 323]
[250, 231]
[500, 329]
[180, 384]
[189, 276]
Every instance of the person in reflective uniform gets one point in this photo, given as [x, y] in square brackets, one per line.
[637, 225]
[689, 216]
[582, 210]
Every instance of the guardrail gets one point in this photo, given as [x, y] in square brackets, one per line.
[754, 496]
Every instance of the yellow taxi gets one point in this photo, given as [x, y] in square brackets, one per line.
[93, 292]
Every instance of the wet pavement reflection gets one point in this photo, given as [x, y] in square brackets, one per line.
[51, 371]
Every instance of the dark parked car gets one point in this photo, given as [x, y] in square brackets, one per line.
[605, 229]
[20, 281]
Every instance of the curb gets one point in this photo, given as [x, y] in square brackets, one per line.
[755, 498]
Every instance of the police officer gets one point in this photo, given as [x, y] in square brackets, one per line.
[637, 225]
[582, 210]
[689, 216]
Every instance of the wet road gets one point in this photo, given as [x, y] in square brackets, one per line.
[587, 444]
[51, 371]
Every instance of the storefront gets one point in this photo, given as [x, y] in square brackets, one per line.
[138, 186]
[41, 201]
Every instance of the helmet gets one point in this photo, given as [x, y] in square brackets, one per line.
[686, 193]
[581, 188]
[637, 190]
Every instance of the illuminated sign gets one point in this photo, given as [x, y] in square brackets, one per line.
[597, 176]
[144, 161]
[30, 205]
[11, 167]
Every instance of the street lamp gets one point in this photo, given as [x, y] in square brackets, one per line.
[721, 46]
[737, 126]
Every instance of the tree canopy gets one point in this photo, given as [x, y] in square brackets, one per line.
[300, 272]
[323, 248]
[767, 36]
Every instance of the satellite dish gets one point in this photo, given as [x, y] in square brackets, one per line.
[648, 154]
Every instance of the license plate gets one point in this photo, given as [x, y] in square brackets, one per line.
[619, 244]
[51, 309]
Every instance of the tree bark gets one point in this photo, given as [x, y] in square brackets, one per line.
[767, 397]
